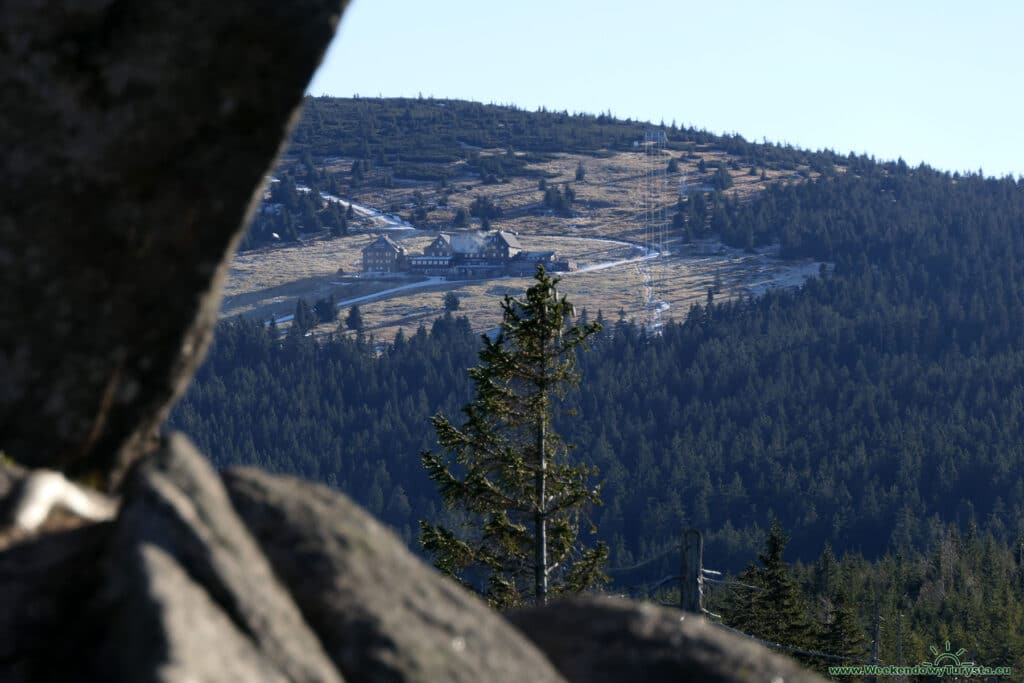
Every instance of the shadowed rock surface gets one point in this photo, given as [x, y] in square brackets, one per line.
[381, 614]
[134, 134]
[45, 585]
[186, 571]
[610, 640]
[182, 633]
[11, 480]
[174, 590]
[256, 577]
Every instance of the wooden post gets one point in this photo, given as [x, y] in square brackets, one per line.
[899, 643]
[690, 593]
[540, 540]
[874, 640]
[1020, 564]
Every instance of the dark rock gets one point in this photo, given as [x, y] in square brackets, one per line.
[263, 578]
[11, 479]
[381, 614]
[134, 134]
[10, 476]
[609, 640]
[189, 593]
[45, 583]
[177, 632]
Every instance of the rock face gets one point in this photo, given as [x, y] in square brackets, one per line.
[297, 584]
[134, 134]
[608, 640]
[253, 577]
[380, 613]
[185, 574]
[174, 590]
[45, 585]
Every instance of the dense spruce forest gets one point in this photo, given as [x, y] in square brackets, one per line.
[859, 410]
[966, 589]
[878, 410]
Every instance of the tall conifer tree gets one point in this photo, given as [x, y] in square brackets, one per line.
[784, 611]
[509, 470]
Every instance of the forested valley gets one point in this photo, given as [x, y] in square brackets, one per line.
[876, 413]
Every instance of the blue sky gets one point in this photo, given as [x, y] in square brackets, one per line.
[940, 82]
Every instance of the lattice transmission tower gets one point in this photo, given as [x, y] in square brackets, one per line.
[656, 222]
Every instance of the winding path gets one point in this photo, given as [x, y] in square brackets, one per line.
[643, 254]
[438, 281]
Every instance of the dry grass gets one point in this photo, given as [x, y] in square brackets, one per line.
[610, 204]
[649, 292]
[268, 281]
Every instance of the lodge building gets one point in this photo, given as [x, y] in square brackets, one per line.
[384, 255]
[466, 254]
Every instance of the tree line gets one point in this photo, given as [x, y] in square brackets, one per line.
[878, 409]
[965, 588]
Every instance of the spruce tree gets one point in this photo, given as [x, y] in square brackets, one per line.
[825, 571]
[303, 320]
[843, 634]
[354, 319]
[508, 471]
[782, 607]
[774, 608]
[742, 609]
[326, 310]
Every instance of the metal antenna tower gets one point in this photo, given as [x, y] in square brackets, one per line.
[655, 217]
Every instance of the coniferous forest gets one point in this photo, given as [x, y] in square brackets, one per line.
[876, 413]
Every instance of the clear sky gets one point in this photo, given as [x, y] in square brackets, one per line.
[939, 81]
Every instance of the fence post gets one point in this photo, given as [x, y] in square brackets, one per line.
[690, 593]
[874, 639]
[899, 644]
